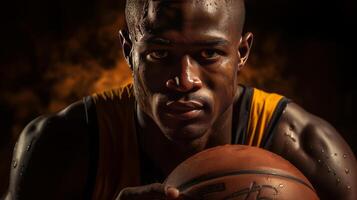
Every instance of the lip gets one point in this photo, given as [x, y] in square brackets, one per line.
[184, 110]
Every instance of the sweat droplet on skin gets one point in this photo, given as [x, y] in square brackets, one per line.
[290, 136]
[322, 151]
[14, 164]
[344, 155]
[338, 180]
[29, 146]
[281, 185]
[347, 171]
[348, 187]
[291, 127]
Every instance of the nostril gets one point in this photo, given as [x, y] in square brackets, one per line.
[179, 85]
[184, 84]
[171, 84]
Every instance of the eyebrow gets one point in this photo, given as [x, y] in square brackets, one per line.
[207, 42]
[158, 41]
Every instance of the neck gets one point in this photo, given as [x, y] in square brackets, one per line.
[167, 154]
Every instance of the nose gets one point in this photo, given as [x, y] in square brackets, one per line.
[187, 79]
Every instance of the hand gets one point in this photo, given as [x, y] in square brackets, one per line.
[155, 191]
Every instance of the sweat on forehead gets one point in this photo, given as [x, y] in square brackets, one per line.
[137, 11]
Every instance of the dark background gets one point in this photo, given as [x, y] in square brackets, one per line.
[55, 52]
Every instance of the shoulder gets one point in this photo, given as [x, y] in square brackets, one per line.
[68, 124]
[71, 117]
[298, 125]
[318, 150]
[49, 151]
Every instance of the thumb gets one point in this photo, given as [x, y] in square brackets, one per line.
[172, 192]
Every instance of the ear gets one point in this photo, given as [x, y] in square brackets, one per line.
[126, 45]
[244, 48]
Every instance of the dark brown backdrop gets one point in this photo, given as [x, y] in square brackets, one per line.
[55, 52]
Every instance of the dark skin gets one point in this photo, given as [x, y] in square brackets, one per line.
[49, 151]
[186, 107]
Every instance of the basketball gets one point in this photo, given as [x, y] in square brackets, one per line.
[239, 172]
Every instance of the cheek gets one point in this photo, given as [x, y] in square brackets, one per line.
[141, 90]
[223, 84]
[141, 93]
[148, 82]
[154, 77]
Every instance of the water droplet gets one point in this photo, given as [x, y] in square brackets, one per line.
[291, 127]
[281, 185]
[14, 164]
[347, 171]
[344, 155]
[338, 181]
[348, 187]
[29, 146]
[322, 151]
[319, 160]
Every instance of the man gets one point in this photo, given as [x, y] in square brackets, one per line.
[185, 56]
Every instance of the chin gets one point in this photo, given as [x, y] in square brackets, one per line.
[186, 134]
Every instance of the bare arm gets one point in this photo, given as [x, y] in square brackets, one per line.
[50, 160]
[317, 150]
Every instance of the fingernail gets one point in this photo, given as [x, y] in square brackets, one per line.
[172, 192]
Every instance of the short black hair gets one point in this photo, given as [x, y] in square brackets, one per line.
[136, 10]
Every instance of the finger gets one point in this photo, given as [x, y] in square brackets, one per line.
[172, 193]
[152, 191]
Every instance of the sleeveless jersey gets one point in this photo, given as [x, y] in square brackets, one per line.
[118, 156]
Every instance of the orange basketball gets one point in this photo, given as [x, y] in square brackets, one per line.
[239, 172]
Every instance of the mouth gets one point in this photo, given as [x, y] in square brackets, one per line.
[184, 110]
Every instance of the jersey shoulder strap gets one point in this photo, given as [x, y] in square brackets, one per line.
[259, 112]
[118, 156]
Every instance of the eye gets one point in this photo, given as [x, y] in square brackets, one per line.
[209, 54]
[157, 55]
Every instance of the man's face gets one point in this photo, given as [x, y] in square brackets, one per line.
[185, 61]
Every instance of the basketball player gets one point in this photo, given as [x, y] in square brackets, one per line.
[185, 56]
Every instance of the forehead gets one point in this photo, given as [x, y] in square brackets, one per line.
[187, 19]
